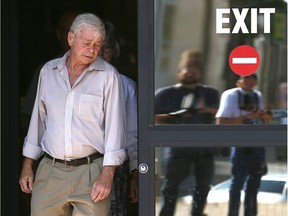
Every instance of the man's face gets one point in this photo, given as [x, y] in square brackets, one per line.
[85, 45]
[248, 83]
[189, 75]
[107, 52]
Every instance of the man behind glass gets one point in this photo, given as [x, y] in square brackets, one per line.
[244, 105]
[187, 102]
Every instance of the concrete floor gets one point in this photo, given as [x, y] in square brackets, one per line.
[183, 209]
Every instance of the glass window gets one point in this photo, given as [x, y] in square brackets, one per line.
[272, 192]
[195, 63]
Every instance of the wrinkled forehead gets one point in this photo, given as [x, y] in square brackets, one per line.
[90, 32]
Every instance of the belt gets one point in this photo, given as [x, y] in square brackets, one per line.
[76, 162]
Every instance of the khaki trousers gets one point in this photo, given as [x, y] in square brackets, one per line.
[60, 190]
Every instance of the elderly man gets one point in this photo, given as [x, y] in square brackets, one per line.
[78, 123]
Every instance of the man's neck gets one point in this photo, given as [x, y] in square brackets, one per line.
[74, 68]
[247, 90]
[189, 86]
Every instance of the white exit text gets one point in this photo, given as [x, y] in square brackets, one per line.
[240, 20]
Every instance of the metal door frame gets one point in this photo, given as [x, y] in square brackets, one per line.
[151, 135]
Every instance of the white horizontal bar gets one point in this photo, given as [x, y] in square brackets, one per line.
[244, 60]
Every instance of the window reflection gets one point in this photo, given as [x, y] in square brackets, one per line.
[184, 25]
[271, 197]
[188, 101]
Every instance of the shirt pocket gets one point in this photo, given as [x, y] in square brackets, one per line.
[90, 108]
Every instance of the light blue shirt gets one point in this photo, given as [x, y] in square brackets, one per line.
[130, 95]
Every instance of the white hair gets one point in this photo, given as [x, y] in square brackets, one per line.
[86, 20]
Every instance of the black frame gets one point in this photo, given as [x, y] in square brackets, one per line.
[9, 109]
[151, 135]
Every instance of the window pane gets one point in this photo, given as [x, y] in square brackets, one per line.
[271, 197]
[192, 53]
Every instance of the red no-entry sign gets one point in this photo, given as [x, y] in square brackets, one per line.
[244, 60]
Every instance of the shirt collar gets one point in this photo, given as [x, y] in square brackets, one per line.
[96, 65]
[245, 92]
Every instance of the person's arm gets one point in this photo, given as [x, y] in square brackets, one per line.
[31, 148]
[27, 175]
[226, 120]
[134, 186]
[37, 125]
[102, 186]
[131, 120]
[238, 120]
[226, 110]
[115, 137]
[211, 110]
[165, 112]
[164, 119]
[132, 141]
[266, 116]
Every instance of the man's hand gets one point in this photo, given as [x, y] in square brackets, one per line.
[27, 176]
[253, 115]
[263, 115]
[102, 186]
[134, 187]
[266, 117]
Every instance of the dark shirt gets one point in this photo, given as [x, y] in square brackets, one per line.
[178, 101]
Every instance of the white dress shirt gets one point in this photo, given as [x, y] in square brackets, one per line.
[73, 122]
[130, 95]
[229, 104]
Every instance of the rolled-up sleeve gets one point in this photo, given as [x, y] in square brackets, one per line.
[115, 122]
[32, 142]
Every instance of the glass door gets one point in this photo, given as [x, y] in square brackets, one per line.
[169, 32]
